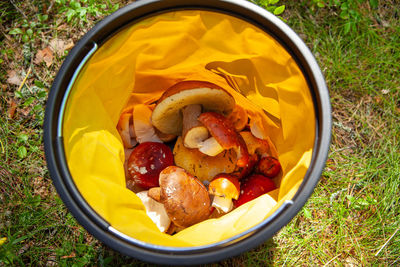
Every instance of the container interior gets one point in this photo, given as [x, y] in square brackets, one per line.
[137, 64]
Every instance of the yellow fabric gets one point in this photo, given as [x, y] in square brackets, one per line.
[137, 65]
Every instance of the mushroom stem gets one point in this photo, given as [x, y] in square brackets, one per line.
[211, 147]
[164, 137]
[239, 118]
[223, 204]
[193, 132]
[156, 211]
[224, 187]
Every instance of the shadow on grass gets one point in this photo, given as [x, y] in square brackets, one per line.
[262, 255]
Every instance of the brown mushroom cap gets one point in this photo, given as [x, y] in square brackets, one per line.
[184, 197]
[167, 116]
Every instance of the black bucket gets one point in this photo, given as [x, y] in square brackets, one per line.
[96, 224]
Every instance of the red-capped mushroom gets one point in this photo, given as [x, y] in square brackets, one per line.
[253, 187]
[146, 162]
[268, 166]
[225, 134]
[242, 172]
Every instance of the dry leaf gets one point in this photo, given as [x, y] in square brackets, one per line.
[45, 55]
[24, 111]
[63, 26]
[40, 187]
[377, 99]
[52, 260]
[12, 108]
[14, 78]
[59, 46]
[69, 45]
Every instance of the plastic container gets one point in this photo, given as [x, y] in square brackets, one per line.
[246, 240]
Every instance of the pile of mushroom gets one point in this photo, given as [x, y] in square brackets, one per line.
[217, 162]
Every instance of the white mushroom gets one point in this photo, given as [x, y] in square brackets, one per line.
[124, 127]
[144, 130]
[156, 211]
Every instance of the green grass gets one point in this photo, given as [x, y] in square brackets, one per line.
[350, 217]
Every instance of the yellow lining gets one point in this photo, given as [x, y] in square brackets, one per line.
[138, 64]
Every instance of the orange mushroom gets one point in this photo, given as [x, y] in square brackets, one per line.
[224, 187]
[239, 118]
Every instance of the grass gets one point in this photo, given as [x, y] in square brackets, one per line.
[352, 218]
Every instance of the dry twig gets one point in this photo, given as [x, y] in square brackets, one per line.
[390, 238]
[18, 9]
[24, 80]
[326, 264]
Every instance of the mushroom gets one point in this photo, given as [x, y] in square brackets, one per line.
[253, 187]
[225, 134]
[211, 147]
[164, 137]
[124, 127]
[193, 132]
[146, 161]
[167, 116]
[239, 118]
[258, 130]
[258, 149]
[144, 131]
[244, 171]
[201, 165]
[224, 187]
[185, 198]
[268, 166]
[155, 211]
[255, 145]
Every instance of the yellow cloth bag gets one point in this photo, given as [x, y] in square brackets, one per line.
[141, 61]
